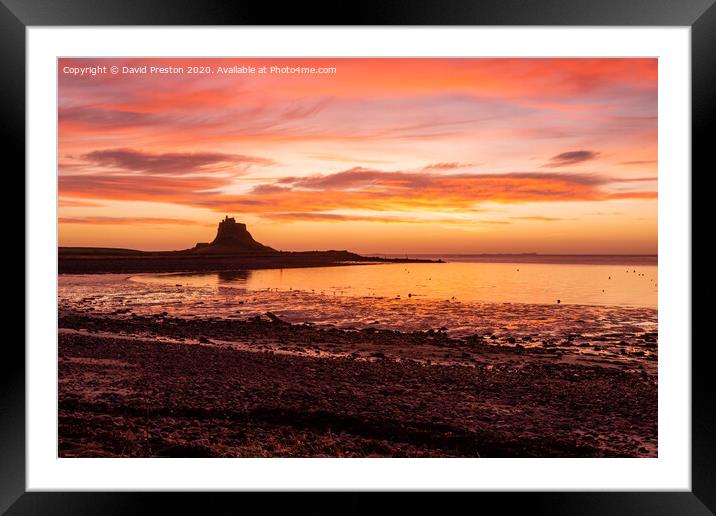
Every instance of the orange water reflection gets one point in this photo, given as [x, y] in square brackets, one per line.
[469, 282]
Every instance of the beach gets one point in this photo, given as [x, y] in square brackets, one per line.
[156, 385]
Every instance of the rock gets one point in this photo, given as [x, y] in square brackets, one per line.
[274, 318]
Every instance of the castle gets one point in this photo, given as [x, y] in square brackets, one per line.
[232, 237]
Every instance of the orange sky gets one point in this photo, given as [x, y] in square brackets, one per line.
[384, 155]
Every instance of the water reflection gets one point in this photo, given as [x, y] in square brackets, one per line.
[235, 278]
[613, 330]
[471, 282]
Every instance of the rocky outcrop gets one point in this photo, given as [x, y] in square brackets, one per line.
[232, 237]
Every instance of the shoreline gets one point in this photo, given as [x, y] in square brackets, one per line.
[545, 259]
[159, 262]
[164, 386]
[80, 260]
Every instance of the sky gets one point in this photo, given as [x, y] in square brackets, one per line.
[373, 155]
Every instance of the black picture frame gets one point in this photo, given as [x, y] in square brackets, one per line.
[700, 15]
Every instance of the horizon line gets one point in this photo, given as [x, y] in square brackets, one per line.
[382, 253]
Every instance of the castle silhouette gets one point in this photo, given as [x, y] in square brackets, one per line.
[232, 237]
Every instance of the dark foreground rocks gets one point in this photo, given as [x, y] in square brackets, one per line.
[134, 395]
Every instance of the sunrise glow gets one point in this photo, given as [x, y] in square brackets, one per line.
[380, 155]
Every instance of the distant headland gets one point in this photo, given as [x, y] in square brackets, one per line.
[233, 247]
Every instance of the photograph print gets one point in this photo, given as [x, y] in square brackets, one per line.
[357, 257]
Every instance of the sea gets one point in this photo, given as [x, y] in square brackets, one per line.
[528, 295]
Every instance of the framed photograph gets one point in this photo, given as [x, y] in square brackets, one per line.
[411, 249]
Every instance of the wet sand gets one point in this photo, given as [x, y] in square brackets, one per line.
[153, 386]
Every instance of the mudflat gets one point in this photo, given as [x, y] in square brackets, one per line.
[156, 386]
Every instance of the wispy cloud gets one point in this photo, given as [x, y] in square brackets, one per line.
[114, 221]
[337, 217]
[126, 187]
[90, 115]
[170, 162]
[451, 165]
[75, 203]
[571, 158]
[540, 218]
[356, 188]
[514, 185]
[639, 162]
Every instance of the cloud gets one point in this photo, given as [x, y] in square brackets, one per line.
[571, 158]
[447, 166]
[127, 187]
[114, 221]
[269, 189]
[169, 163]
[108, 118]
[353, 189]
[481, 185]
[337, 217]
[635, 179]
[299, 110]
[351, 178]
[639, 162]
[74, 203]
[539, 218]
[346, 159]
[217, 121]
[633, 195]
[367, 189]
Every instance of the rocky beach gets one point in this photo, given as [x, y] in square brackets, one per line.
[160, 386]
